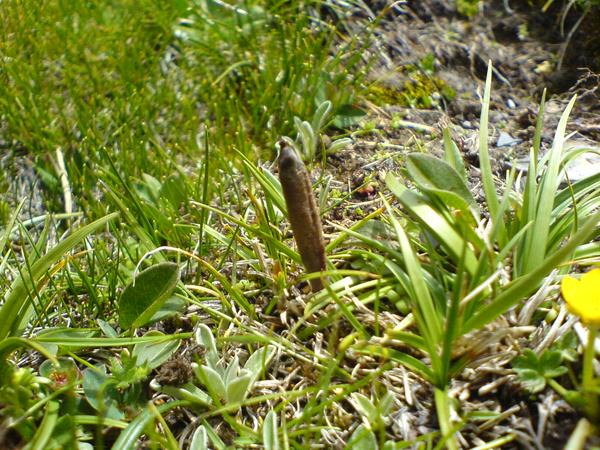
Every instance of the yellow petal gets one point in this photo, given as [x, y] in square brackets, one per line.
[583, 296]
[569, 287]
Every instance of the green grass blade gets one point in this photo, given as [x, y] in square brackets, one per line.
[42, 436]
[16, 311]
[451, 240]
[537, 238]
[489, 187]
[525, 285]
[128, 438]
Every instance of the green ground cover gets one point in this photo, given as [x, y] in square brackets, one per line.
[164, 233]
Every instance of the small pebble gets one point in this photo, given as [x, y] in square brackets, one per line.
[510, 103]
[506, 140]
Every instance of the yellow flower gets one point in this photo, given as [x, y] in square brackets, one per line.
[583, 296]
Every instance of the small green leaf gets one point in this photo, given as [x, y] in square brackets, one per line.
[61, 373]
[100, 393]
[347, 115]
[531, 380]
[188, 392]
[199, 439]
[214, 381]
[107, 329]
[205, 338]
[146, 294]
[154, 353]
[527, 360]
[269, 432]
[232, 370]
[174, 190]
[362, 439]
[259, 360]
[365, 407]
[534, 371]
[238, 389]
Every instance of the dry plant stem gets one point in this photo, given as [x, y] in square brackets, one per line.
[303, 212]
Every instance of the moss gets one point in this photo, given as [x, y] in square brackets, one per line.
[468, 8]
[420, 91]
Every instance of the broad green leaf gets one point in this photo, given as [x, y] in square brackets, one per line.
[451, 240]
[347, 115]
[100, 393]
[17, 310]
[238, 389]
[214, 381]
[362, 439]
[438, 178]
[364, 406]
[154, 353]
[173, 305]
[259, 360]
[144, 296]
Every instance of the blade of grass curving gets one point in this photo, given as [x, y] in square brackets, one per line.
[280, 246]
[80, 342]
[347, 313]
[408, 338]
[537, 136]
[564, 199]
[452, 155]
[436, 224]
[43, 434]
[587, 252]
[426, 315]
[128, 438]
[16, 308]
[270, 184]
[523, 286]
[205, 177]
[489, 187]
[9, 226]
[12, 343]
[537, 238]
[406, 360]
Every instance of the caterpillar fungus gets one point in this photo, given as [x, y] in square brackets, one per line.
[303, 212]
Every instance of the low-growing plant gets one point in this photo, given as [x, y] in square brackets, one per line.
[461, 287]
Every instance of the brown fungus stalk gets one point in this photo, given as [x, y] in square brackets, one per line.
[303, 212]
